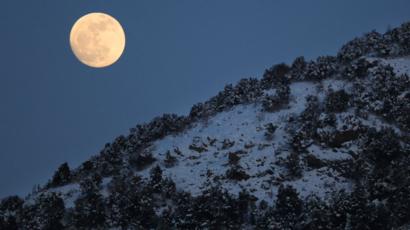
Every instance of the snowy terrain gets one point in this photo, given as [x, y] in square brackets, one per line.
[242, 130]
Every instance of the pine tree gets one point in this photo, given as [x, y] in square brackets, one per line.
[270, 131]
[62, 176]
[89, 211]
[46, 213]
[170, 160]
[130, 205]
[10, 209]
[337, 101]
[293, 165]
[288, 206]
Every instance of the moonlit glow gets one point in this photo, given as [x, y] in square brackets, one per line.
[97, 40]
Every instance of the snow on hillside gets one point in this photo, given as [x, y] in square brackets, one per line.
[400, 65]
[244, 126]
[202, 151]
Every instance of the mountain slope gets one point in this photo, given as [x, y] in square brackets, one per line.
[322, 143]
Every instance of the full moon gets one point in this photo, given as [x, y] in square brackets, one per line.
[97, 40]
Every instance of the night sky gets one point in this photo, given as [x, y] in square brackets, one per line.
[55, 109]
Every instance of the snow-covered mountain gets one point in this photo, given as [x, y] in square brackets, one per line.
[320, 144]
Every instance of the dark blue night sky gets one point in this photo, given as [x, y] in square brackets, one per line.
[55, 109]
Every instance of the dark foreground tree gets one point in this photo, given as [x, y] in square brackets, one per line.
[62, 176]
